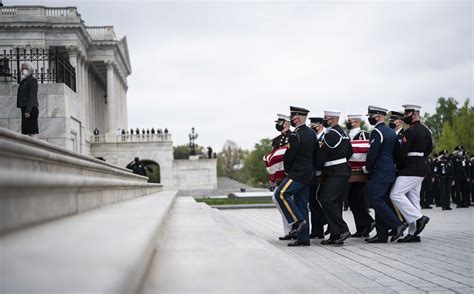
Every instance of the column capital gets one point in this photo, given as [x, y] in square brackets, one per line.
[110, 64]
[73, 51]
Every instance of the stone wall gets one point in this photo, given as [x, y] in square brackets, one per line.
[60, 115]
[195, 174]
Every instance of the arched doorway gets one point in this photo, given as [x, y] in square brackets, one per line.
[152, 170]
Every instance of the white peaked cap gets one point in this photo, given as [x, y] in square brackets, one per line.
[354, 116]
[411, 107]
[283, 117]
[332, 113]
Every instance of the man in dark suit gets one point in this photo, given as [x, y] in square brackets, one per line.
[293, 192]
[411, 163]
[332, 160]
[380, 163]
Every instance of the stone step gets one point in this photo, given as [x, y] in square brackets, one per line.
[104, 250]
[203, 252]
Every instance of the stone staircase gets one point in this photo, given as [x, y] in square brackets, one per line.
[204, 252]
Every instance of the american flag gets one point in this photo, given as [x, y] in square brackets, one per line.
[274, 163]
[360, 149]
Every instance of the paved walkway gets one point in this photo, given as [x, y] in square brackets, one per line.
[237, 251]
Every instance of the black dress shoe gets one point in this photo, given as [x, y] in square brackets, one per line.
[357, 235]
[420, 224]
[319, 236]
[327, 242]
[375, 240]
[427, 207]
[298, 227]
[299, 243]
[343, 237]
[287, 237]
[447, 208]
[370, 227]
[409, 239]
[399, 232]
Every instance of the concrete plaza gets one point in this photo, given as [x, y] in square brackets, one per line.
[237, 251]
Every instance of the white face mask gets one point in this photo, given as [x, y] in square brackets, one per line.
[25, 72]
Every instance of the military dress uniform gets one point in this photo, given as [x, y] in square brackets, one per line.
[332, 160]
[416, 146]
[426, 194]
[318, 220]
[281, 140]
[357, 195]
[380, 163]
[443, 171]
[461, 175]
[293, 192]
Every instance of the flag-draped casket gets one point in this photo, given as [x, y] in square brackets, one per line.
[274, 164]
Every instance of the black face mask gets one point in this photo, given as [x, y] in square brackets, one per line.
[392, 125]
[372, 121]
[348, 125]
[279, 127]
[408, 119]
[292, 123]
[325, 123]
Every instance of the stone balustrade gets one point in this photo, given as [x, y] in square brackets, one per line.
[128, 138]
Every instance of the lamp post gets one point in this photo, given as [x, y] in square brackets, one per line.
[192, 136]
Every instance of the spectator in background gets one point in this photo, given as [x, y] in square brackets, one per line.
[209, 152]
[96, 135]
[138, 168]
[27, 100]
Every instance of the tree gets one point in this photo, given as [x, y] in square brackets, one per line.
[458, 131]
[230, 159]
[183, 152]
[254, 168]
[446, 109]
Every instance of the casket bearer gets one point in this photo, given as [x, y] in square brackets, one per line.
[380, 163]
[293, 192]
[282, 124]
[411, 163]
[332, 160]
[356, 196]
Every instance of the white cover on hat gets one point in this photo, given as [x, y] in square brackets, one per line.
[284, 117]
[354, 116]
[411, 107]
[332, 113]
[376, 108]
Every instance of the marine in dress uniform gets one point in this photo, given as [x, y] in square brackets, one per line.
[282, 124]
[318, 220]
[411, 163]
[461, 176]
[443, 172]
[380, 163]
[332, 160]
[293, 192]
[426, 194]
[357, 195]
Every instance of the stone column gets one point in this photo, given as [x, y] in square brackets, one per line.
[111, 101]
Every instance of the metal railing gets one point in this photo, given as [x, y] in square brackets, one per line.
[50, 66]
[128, 138]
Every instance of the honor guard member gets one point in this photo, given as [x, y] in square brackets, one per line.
[332, 160]
[411, 163]
[443, 172]
[353, 125]
[461, 177]
[426, 194]
[357, 196]
[318, 220]
[380, 163]
[282, 124]
[293, 192]
[396, 123]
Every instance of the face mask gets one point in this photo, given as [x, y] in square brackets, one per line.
[25, 72]
[325, 123]
[392, 125]
[372, 121]
[348, 125]
[292, 123]
[279, 127]
[408, 119]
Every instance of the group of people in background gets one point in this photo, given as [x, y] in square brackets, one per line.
[315, 172]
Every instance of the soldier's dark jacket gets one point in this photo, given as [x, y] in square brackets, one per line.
[335, 145]
[362, 135]
[461, 166]
[299, 158]
[443, 168]
[417, 138]
[281, 140]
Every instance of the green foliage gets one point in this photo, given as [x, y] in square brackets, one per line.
[229, 161]
[446, 110]
[458, 129]
[183, 151]
[254, 167]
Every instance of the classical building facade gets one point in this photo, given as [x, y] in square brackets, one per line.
[96, 94]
